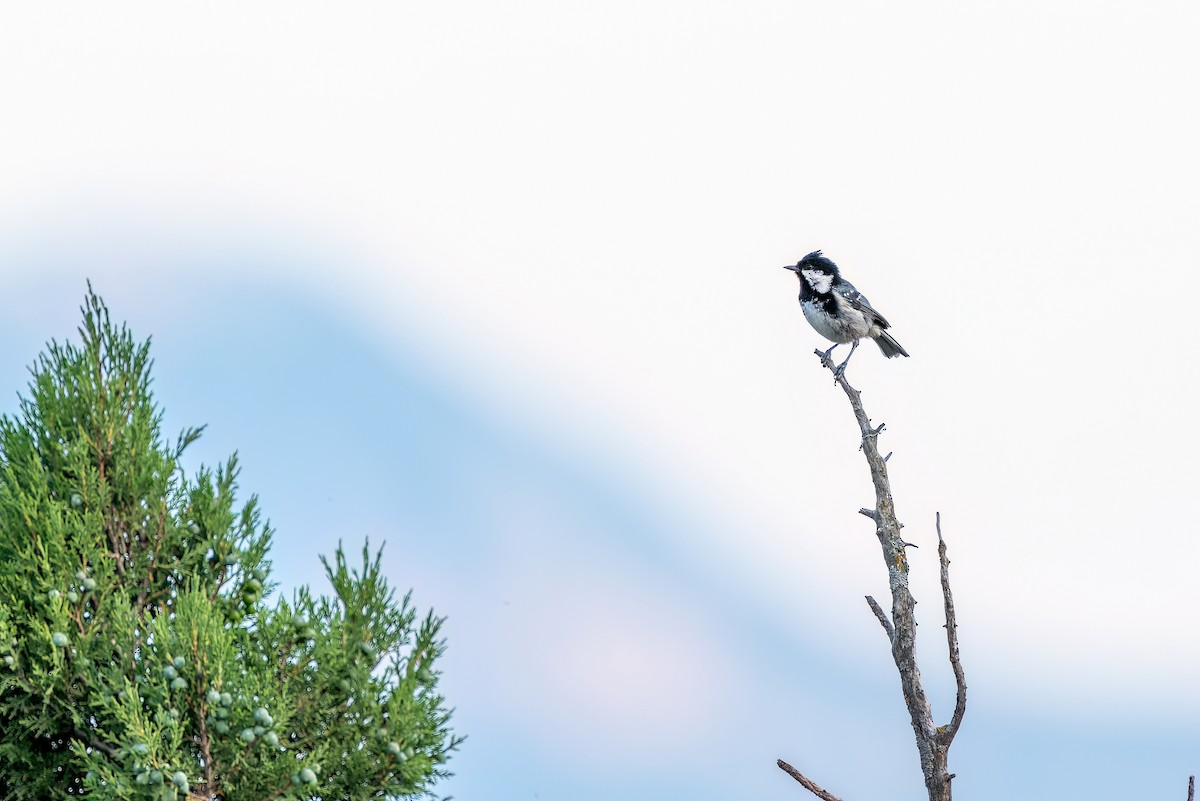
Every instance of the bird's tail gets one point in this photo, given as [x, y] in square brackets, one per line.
[889, 346]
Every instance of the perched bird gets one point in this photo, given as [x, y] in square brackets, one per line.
[837, 310]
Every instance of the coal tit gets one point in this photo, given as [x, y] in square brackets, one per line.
[837, 310]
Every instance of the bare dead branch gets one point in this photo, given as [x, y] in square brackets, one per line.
[947, 732]
[902, 634]
[808, 783]
[879, 613]
[933, 742]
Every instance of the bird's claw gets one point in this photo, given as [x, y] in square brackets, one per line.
[826, 361]
[841, 368]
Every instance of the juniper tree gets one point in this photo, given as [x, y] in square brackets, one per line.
[144, 653]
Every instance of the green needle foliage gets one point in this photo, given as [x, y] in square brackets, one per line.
[139, 657]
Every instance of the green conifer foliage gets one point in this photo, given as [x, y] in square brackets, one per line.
[142, 655]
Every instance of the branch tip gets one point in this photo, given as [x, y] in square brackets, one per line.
[960, 680]
[805, 782]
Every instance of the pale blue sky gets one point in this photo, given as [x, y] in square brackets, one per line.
[545, 239]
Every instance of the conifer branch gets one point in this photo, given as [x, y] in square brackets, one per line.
[141, 651]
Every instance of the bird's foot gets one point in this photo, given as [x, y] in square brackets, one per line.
[826, 361]
[841, 368]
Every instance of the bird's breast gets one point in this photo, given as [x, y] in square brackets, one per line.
[835, 319]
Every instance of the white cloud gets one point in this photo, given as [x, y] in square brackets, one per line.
[584, 211]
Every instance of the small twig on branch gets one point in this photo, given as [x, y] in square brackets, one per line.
[93, 742]
[1191, 788]
[808, 783]
[879, 613]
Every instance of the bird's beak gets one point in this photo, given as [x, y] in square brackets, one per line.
[793, 267]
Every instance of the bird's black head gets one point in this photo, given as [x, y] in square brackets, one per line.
[816, 262]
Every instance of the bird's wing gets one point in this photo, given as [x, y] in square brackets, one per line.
[859, 301]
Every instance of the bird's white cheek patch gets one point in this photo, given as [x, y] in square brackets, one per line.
[819, 281]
